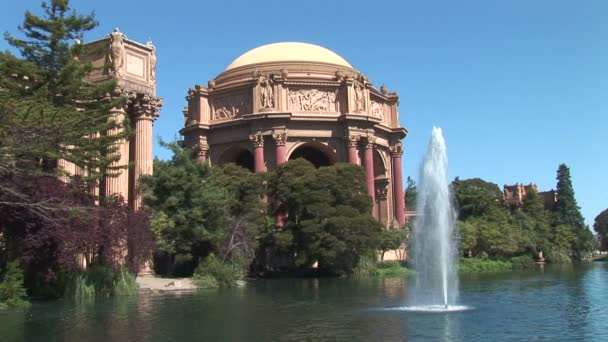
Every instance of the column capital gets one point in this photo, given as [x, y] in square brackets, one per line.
[257, 139]
[279, 138]
[382, 192]
[370, 141]
[353, 140]
[202, 148]
[396, 150]
[144, 107]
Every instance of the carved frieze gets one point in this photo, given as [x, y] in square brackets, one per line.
[377, 110]
[312, 100]
[230, 106]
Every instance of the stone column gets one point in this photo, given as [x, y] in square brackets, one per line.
[118, 182]
[398, 197]
[280, 157]
[369, 168]
[381, 196]
[258, 153]
[279, 140]
[201, 156]
[143, 116]
[352, 149]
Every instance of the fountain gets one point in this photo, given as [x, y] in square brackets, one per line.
[433, 239]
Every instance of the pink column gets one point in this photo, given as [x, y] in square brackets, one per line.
[280, 157]
[369, 169]
[352, 149]
[398, 198]
[258, 152]
[119, 183]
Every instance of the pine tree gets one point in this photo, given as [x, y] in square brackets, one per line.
[567, 212]
[48, 110]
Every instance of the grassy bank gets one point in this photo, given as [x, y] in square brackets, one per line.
[476, 265]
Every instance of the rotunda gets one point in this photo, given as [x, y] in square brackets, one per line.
[283, 101]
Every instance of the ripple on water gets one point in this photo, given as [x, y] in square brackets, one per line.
[431, 308]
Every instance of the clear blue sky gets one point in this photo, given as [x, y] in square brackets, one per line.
[517, 86]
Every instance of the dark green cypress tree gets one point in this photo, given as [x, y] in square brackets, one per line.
[566, 210]
[568, 214]
[48, 110]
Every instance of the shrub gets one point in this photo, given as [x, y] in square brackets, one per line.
[366, 267]
[100, 281]
[521, 262]
[475, 265]
[389, 264]
[225, 272]
[12, 290]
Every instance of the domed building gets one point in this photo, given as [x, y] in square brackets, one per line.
[285, 101]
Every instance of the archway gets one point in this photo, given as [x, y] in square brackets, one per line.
[318, 154]
[238, 155]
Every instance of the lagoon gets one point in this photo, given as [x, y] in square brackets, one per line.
[554, 304]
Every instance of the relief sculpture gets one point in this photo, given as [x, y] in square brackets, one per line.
[377, 110]
[312, 100]
[231, 106]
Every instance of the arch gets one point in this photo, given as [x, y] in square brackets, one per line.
[380, 168]
[239, 155]
[317, 153]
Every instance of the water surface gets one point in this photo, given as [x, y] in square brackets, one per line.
[568, 304]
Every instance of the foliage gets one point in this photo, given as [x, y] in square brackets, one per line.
[567, 212]
[488, 227]
[600, 226]
[366, 267]
[190, 212]
[410, 193]
[392, 270]
[48, 110]
[328, 215]
[522, 262]
[12, 290]
[100, 282]
[53, 242]
[245, 191]
[392, 239]
[475, 265]
[475, 197]
[225, 272]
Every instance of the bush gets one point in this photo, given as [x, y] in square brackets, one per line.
[226, 273]
[100, 281]
[388, 264]
[12, 290]
[366, 267]
[522, 262]
[558, 257]
[475, 265]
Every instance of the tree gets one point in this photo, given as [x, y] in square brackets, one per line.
[600, 226]
[48, 110]
[475, 197]
[190, 212]
[329, 217]
[392, 239]
[410, 193]
[566, 209]
[567, 213]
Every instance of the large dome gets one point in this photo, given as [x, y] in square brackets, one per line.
[288, 52]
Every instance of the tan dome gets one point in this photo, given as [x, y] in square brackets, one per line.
[288, 52]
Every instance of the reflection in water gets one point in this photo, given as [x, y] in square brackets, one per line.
[562, 304]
